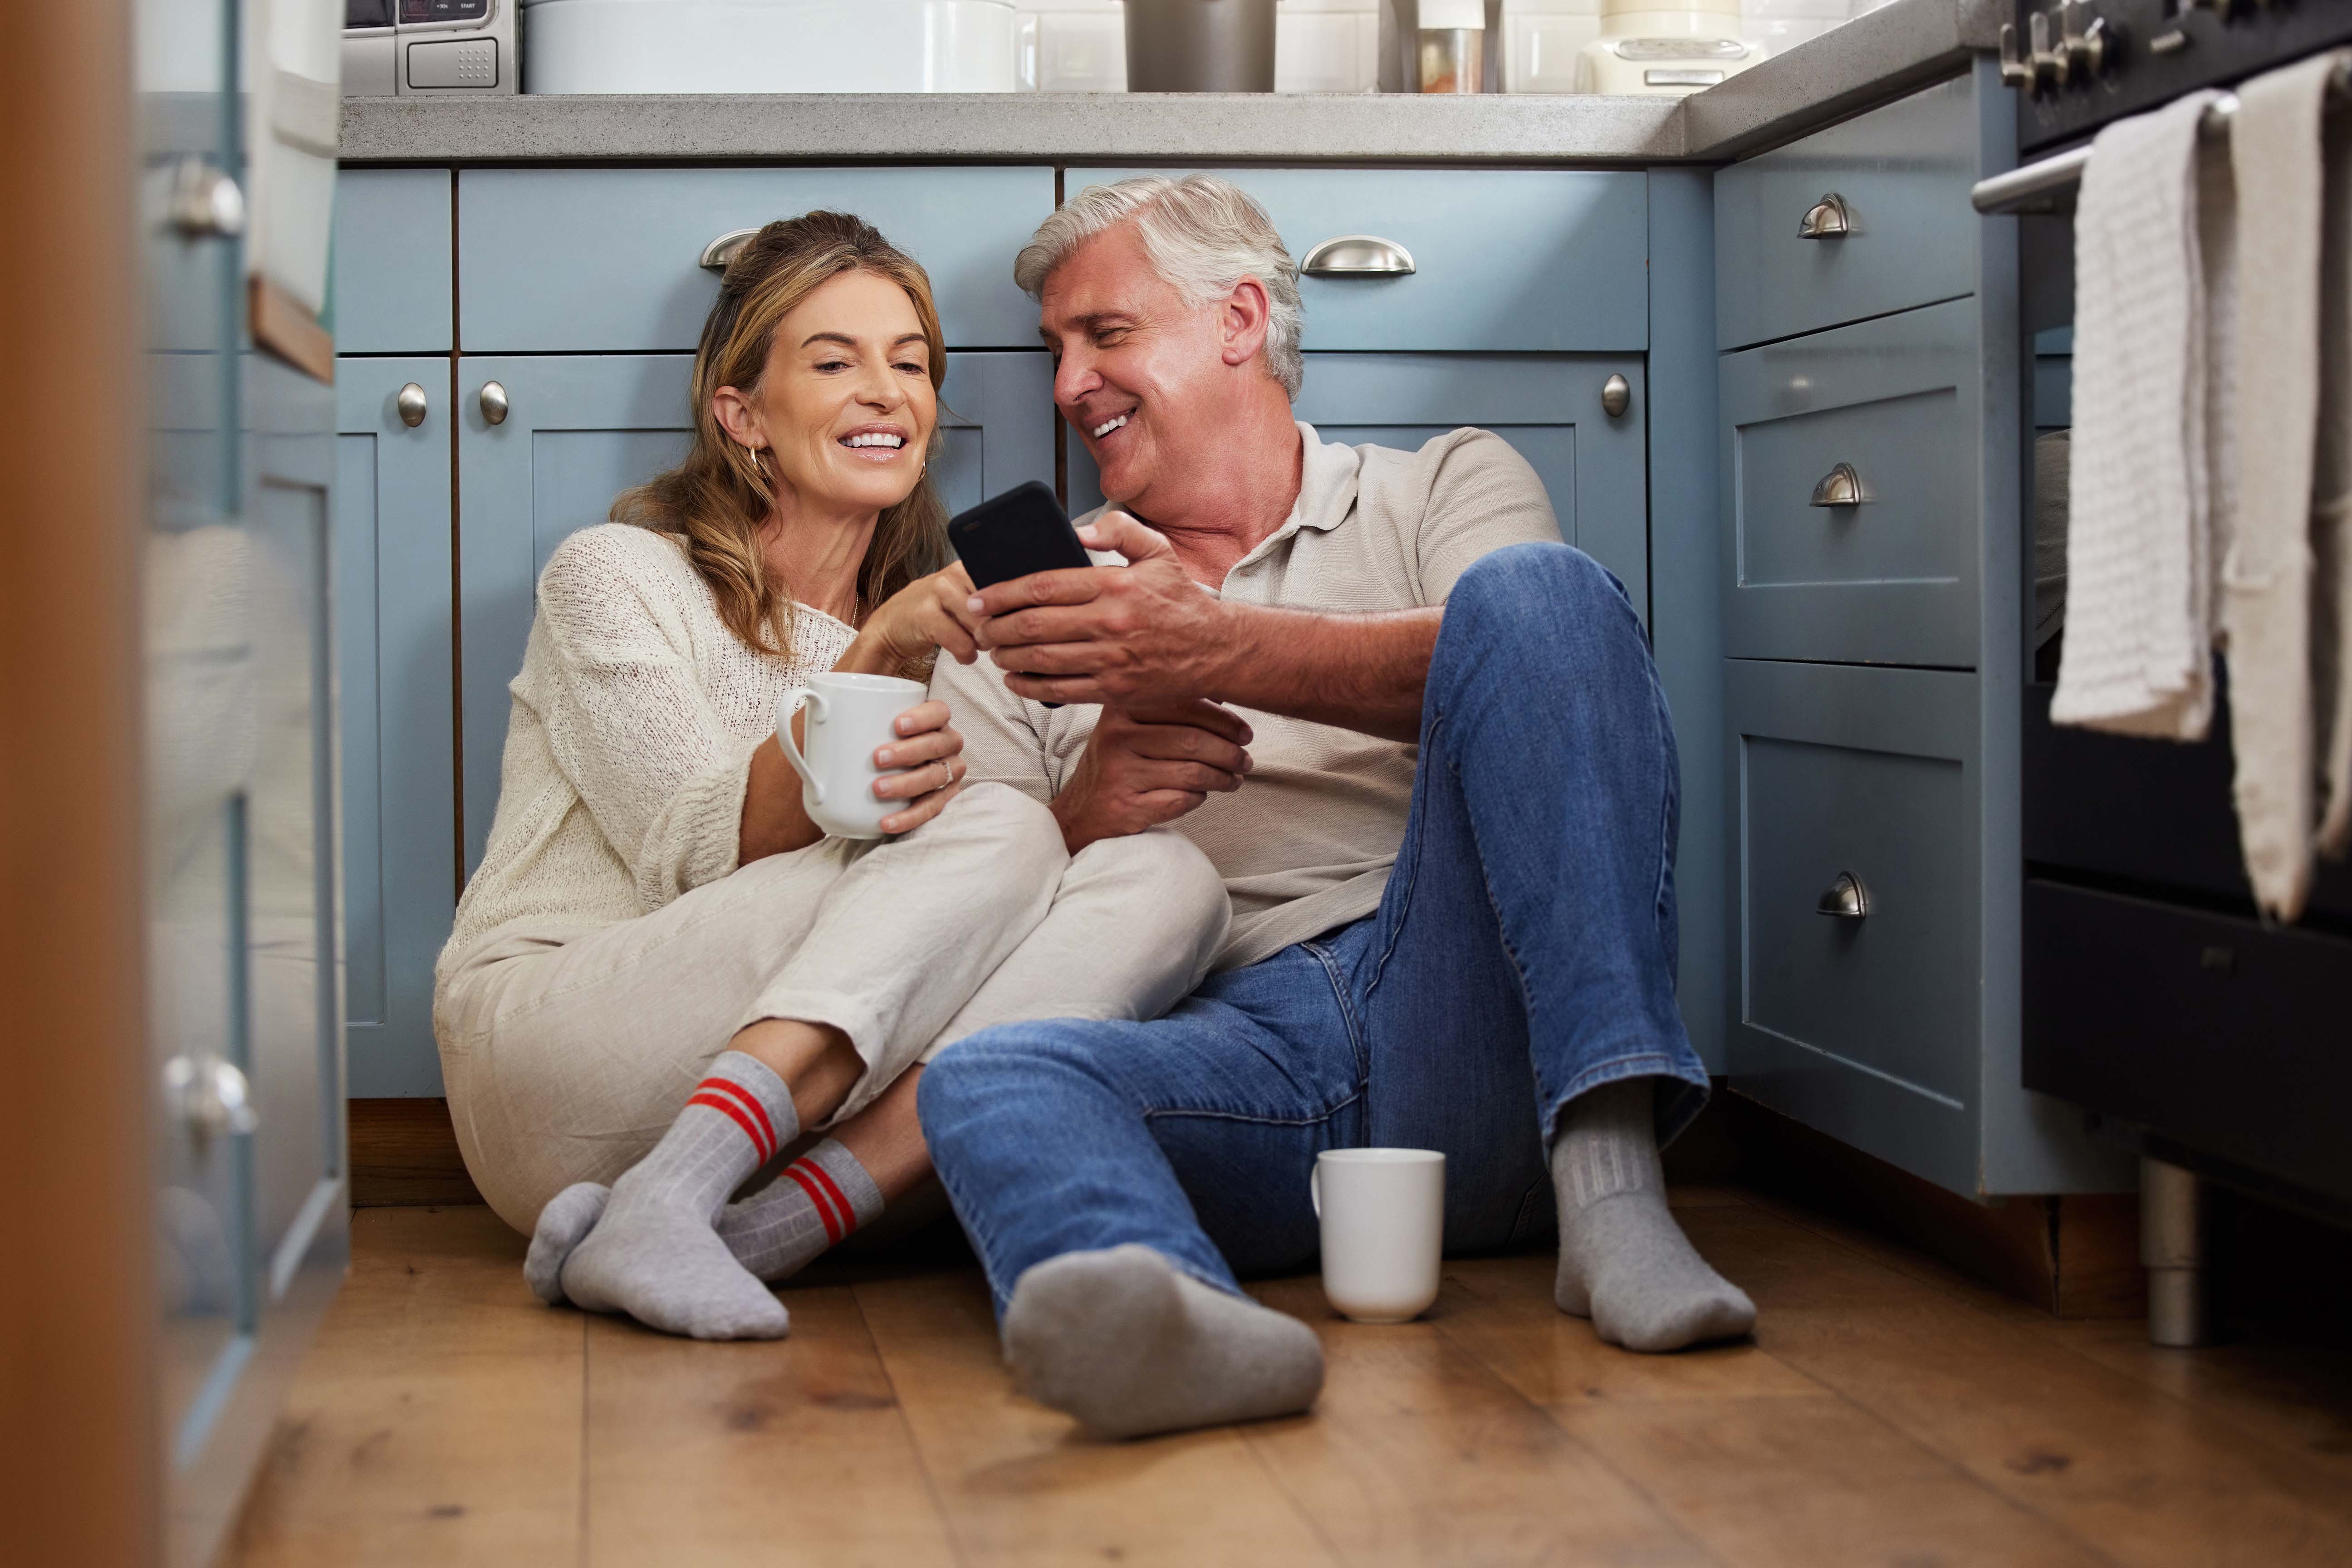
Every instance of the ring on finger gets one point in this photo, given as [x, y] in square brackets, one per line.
[947, 769]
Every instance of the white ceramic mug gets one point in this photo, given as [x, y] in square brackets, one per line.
[849, 718]
[1383, 1214]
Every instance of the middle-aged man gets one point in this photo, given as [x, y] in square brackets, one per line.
[1415, 927]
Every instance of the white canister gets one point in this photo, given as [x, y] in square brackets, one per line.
[769, 46]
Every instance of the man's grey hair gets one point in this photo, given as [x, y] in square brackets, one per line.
[1203, 236]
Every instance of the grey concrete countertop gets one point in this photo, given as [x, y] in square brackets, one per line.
[1879, 55]
[1044, 127]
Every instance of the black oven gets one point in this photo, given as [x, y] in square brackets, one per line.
[2154, 997]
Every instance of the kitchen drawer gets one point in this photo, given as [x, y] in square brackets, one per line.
[2210, 1029]
[563, 260]
[1505, 259]
[1903, 173]
[391, 292]
[1864, 1026]
[1893, 580]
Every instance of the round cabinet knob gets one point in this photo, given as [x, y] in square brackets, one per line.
[1616, 396]
[1846, 898]
[209, 1095]
[410, 404]
[205, 204]
[494, 403]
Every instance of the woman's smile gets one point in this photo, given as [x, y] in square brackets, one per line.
[878, 444]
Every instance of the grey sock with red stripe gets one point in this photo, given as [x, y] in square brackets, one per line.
[816, 1202]
[775, 1233]
[655, 1252]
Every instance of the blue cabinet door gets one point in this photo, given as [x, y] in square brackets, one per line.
[397, 644]
[1897, 403]
[394, 290]
[1546, 406]
[1515, 260]
[610, 260]
[1863, 1024]
[581, 428]
[1902, 175]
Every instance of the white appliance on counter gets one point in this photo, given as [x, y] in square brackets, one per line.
[769, 46]
[1665, 47]
[429, 48]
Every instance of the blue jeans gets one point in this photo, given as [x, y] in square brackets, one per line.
[1523, 952]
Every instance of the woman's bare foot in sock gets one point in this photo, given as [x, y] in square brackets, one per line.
[563, 1224]
[662, 1264]
[654, 1253]
[1132, 1346]
[775, 1233]
[1623, 1261]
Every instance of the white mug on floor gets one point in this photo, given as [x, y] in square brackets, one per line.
[849, 718]
[1383, 1214]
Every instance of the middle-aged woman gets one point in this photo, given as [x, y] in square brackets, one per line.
[663, 971]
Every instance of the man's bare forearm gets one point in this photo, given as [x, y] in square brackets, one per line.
[1362, 672]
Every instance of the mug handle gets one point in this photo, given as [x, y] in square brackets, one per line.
[816, 706]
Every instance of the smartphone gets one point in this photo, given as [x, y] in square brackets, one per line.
[1023, 531]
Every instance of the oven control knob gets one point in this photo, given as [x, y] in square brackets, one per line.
[2084, 40]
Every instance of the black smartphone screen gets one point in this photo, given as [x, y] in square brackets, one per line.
[1023, 531]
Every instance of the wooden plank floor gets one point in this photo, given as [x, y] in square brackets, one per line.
[1889, 1413]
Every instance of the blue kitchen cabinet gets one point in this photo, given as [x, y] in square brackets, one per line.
[612, 260]
[1546, 406]
[394, 290]
[1894, 408]
[395, 640]
[1874, 408]
[578, 429]
[1868, 216]
[1511, 260]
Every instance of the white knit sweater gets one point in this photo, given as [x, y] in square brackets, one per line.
[629, 744]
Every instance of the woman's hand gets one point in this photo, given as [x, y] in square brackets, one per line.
[933, 755]
[928, 613]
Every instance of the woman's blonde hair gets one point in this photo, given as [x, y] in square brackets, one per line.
[722, 495]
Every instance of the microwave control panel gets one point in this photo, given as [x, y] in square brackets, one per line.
[430, 49]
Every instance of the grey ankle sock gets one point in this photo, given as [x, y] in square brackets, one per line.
[562, 1226]
[775, 1233]
[654, 1253]
[1623, 1261]
[815, 1202]
[1131, 1346]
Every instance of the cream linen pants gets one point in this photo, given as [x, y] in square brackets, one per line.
[565, 1063]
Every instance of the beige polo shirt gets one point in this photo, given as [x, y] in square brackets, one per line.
[1306, 844]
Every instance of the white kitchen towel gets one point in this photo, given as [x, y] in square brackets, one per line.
[2276, 154]
[2137, 658]
[2331, 509]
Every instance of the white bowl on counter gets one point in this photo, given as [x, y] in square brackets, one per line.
[768, 45]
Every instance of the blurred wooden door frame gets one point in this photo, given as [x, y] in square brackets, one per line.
[79, 1459]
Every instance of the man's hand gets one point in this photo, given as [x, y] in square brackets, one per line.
[1143, 634]
[1149, 766]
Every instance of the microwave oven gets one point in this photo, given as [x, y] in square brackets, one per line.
[429, 48]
